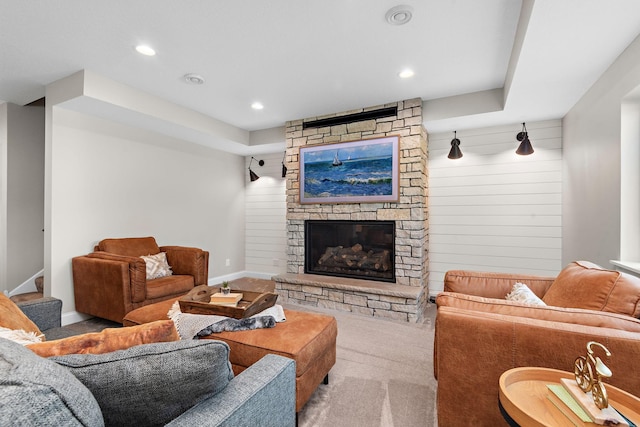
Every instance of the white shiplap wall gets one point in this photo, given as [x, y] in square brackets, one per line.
[266, 218]
[493, 210]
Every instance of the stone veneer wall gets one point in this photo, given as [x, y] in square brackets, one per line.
[410, 212]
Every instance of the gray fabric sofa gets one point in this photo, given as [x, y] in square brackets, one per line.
[170, 383]
[174, 383]
[46, 313]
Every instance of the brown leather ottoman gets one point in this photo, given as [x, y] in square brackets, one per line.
[307, 338]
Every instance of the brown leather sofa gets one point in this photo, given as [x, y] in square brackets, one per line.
[479, 335]
[112, 281]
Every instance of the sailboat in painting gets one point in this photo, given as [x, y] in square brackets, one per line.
[336, 160]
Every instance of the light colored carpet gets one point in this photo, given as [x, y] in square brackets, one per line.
[383, 375]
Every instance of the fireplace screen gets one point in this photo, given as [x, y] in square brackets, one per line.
[355, 249]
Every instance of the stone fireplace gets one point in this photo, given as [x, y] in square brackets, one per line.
[401, 295]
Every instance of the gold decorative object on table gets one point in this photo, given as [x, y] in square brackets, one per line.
[583, 370]
[588, 390]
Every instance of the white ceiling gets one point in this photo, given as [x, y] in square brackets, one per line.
[520, 60]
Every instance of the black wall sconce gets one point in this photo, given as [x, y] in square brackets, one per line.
[455, 152]
[525, 147]
[252, 174]
[284, 168]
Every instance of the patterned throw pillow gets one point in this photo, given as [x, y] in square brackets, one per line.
[157, 266]
[521, 293]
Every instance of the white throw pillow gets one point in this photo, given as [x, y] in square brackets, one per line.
[157, 266]
[20, 336]
[521, 293]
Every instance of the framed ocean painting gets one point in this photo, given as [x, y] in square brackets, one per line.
[365, 171]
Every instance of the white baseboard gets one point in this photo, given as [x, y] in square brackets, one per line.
[259, 275]
[227, 277]
[74, 317]
[237, 275]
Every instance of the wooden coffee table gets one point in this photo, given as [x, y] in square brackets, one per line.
[523, 395]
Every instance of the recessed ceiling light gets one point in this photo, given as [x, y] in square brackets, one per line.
[399, 15]
[194, 79]
[257, 106]
[145, 50]
[406, 73]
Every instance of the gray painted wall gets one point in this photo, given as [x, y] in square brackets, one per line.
[23, 204]
[112, 180]
[591, 164]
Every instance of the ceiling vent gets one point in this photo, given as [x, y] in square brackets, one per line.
[399, 15]
[194, 79]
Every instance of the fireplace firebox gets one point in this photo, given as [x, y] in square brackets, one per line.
[354, 249]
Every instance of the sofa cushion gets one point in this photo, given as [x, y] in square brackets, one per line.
[12, 317]
[492, 284]
[130, 246]
[583, 284]
[35, 391]
[152, 383]
[110, 339]
[168, 286]
[574, 316]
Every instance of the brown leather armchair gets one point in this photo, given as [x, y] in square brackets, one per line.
[112, 281]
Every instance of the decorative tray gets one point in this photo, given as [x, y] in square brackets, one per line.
[197, 302]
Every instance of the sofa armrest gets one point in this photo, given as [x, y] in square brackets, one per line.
[492, 285]
[137, 272]
[264, 394]
[190, 261]
[96, 263]
[45, 312]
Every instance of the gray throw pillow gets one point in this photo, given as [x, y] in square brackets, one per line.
[151, 384]
[35, 391]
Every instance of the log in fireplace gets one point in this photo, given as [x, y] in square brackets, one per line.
[355, 249]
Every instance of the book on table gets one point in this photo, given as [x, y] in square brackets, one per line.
[225, 304]
[580, 408]
[220, 298]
